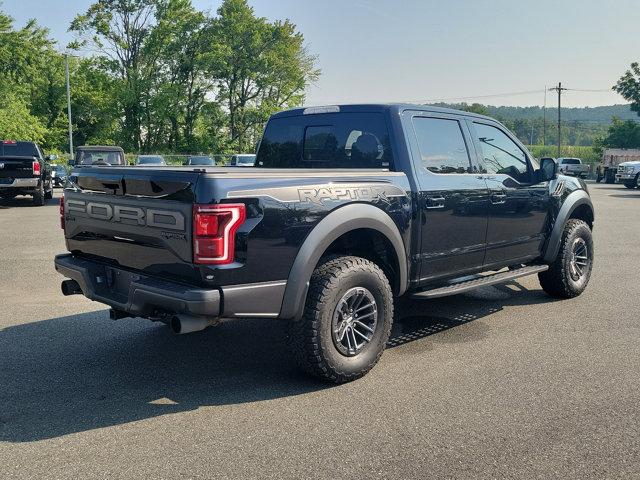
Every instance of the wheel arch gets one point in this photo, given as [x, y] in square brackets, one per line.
[577, 205]
[335, 226]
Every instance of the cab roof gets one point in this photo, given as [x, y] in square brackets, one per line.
[375, 107]
[100, 148]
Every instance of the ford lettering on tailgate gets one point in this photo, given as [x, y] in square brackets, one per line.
[150, 217]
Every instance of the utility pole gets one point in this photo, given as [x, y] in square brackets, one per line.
[531, 139]
[69, 107]
[559, 89]
[544, 118]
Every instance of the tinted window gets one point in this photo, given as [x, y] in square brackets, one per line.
[19, 149]
[200, 161]
[501, 154]
[332, 140]
[571, 161]
[150, 160]
[442, 146]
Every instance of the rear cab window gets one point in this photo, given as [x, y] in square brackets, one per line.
[326, 140]
[19, 149]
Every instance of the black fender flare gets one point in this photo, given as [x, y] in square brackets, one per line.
[574, 200]
[337, 223]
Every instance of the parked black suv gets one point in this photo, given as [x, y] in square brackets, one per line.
[347, 208]
[24, 170]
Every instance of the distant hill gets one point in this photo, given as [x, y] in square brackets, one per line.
[595, 115]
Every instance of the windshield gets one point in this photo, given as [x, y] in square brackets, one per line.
[246, 159]
[200, 161]
[151, 160]
[92, 157]
[60, 169]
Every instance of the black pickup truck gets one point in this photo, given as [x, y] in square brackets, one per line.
[346, 209]
[24, 170]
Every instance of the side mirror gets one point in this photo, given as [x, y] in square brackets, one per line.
[548, 169]
[71, 162]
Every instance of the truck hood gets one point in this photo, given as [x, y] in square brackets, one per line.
[629, 164]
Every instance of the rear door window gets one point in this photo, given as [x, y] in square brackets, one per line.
[340, 140]
[442, 146]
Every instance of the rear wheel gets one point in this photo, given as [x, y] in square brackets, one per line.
[569, 273]
[38, 196]
[346, 322]
[609, 176]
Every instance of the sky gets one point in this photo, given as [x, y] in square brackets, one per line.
[497, 52]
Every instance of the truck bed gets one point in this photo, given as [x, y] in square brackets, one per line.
[140, 218]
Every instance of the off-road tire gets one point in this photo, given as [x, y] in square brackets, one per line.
[38, 196]
[310, 338]
[557, 281]
[48, 194]
[633, 183]
[610, 177]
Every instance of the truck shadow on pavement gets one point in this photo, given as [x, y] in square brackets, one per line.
[25, 202]
[81, 372]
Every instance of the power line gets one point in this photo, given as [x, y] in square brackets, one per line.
[491, 95]
[609, 90]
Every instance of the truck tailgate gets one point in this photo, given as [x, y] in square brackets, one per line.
[15, 167]
[133, 217]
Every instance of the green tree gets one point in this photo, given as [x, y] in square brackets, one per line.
[17, 123]
[118, 29]
[629, 86]
[261, 67]
[622, 134]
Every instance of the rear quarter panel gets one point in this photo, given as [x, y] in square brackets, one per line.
[284, 206]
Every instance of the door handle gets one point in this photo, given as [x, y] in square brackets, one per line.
[498, 198]
[435, 202]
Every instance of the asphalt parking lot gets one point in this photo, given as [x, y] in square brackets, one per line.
[501, 383]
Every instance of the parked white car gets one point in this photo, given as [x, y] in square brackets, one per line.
[628, 173]
[572, 166]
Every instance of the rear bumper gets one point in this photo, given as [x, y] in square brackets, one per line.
[137, 294]
[21, 183]
[146, 296]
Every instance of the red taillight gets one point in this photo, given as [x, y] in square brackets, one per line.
[214, 232]
[36, 168]
[62, 213]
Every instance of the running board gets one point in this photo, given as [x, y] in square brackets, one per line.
[480, 281]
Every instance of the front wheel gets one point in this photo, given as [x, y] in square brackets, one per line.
[569, 273]
[346, 322]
